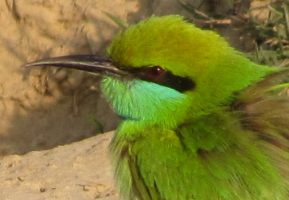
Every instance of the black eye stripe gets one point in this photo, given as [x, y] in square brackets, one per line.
[160, 76]
[181, 84]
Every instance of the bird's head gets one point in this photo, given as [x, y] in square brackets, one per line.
[165, 70]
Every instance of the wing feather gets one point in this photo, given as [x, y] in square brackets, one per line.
[264, 109]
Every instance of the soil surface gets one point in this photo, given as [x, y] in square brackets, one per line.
[77, 171]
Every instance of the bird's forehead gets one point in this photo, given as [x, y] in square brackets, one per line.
[167, 41]
[150, 38]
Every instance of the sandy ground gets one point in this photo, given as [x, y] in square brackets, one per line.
[47, 114]
[77, 171]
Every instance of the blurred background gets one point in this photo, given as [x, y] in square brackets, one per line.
[44, 108]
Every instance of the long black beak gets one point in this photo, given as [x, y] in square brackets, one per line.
[90, 63]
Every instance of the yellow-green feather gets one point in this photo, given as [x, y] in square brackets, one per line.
[192, 145]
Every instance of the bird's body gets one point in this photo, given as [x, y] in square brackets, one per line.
[222, 155]
[201, 121]
[194, 144]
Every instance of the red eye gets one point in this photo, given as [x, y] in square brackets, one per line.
[154, 72]
[157, 74]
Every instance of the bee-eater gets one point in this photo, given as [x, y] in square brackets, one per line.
[200, 120]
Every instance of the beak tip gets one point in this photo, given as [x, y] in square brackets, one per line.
[26, 65]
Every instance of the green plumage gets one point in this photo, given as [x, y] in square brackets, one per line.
[225, 139]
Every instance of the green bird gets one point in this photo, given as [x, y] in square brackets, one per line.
[200, 120]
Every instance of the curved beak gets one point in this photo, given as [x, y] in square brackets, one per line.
[89, 63]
